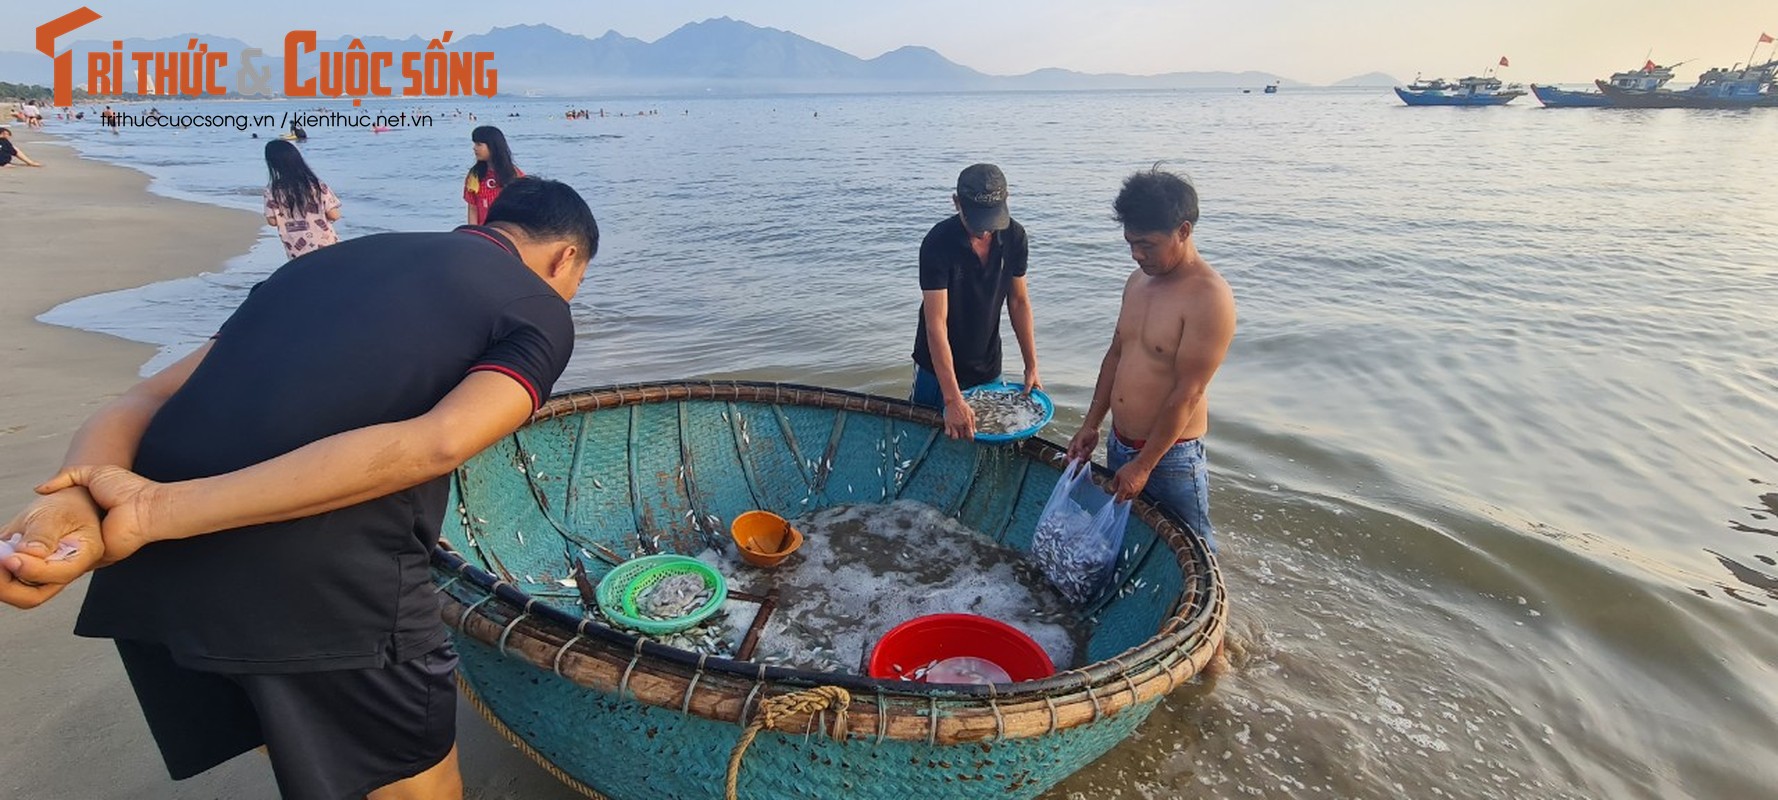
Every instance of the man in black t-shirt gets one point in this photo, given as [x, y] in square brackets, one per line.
[10, 153]
[971, 266]
[267, 575]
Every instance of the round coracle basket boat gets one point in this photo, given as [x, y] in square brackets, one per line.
[632, 470]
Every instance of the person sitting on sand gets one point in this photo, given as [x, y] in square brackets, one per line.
[971, 265]
[10, 153]
[297, 203]
[266, 575]
[1174, 326]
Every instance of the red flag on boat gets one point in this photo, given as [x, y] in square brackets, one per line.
[1765, 38]
[1648, 67]
[1503, 62]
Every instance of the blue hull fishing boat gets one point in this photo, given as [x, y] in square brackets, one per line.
[1732, 88]
[1471, 91]
[1551, 97]
[628, 470]
[1650, 78]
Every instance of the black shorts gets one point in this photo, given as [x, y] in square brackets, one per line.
[330, 735]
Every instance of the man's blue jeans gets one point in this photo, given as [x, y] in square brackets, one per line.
[1181, 481]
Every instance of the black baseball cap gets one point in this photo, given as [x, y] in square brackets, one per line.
[981, 191]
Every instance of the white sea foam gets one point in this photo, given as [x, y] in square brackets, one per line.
[865, 569]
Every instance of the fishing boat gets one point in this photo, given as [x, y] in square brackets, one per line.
[1484, 90]
[1649, 78]
[1434, 85]
[616, 469]
[1719, 88]
[1272, 88]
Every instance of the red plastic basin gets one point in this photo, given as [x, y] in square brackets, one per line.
[936, 637]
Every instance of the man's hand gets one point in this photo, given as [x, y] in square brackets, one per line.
[1085, 441]
[1130, 479]
[1032, 381]
[959, 419]
[129, 501]
[58, 521]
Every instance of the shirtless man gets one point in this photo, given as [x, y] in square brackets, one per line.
[1173, 329]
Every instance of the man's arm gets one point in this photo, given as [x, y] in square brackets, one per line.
[108, 438]
[20, 156]
[332, 473]
[1086, 440]
[1024, 326]
[1203, 342]
[959, 418]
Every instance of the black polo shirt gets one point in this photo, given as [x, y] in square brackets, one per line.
[7, 151]
[976, 295]
[371, 330]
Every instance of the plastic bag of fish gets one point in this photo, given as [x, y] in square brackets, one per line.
[1079, 535]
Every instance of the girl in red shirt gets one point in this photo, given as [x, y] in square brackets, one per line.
[492, 172]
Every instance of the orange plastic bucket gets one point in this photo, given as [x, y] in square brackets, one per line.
[764, 538]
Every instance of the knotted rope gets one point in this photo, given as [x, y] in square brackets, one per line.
[776, 709]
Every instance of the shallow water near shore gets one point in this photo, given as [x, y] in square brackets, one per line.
[1491, 455]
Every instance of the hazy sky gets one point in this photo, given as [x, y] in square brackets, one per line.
[1318, 41]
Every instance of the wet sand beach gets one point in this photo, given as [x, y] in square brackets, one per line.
[71, 729]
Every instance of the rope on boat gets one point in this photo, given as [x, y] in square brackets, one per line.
[487, 714]
[773, 710]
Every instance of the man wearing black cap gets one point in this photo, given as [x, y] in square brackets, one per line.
[971, 265]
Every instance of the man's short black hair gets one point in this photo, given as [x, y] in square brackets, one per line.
[4, 129]
[1156, 200]
[547, 210]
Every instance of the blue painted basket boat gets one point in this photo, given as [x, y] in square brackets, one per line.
[618, 469]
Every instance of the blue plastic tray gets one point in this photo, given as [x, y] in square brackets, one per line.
[1043, 402]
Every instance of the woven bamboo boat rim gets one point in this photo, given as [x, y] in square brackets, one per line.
[592, 655]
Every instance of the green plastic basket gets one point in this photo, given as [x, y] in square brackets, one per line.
[619, 588]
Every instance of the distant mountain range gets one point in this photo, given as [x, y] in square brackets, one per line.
[714, 56]
[1369, 80]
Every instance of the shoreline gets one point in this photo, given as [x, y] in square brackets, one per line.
[74, 228]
